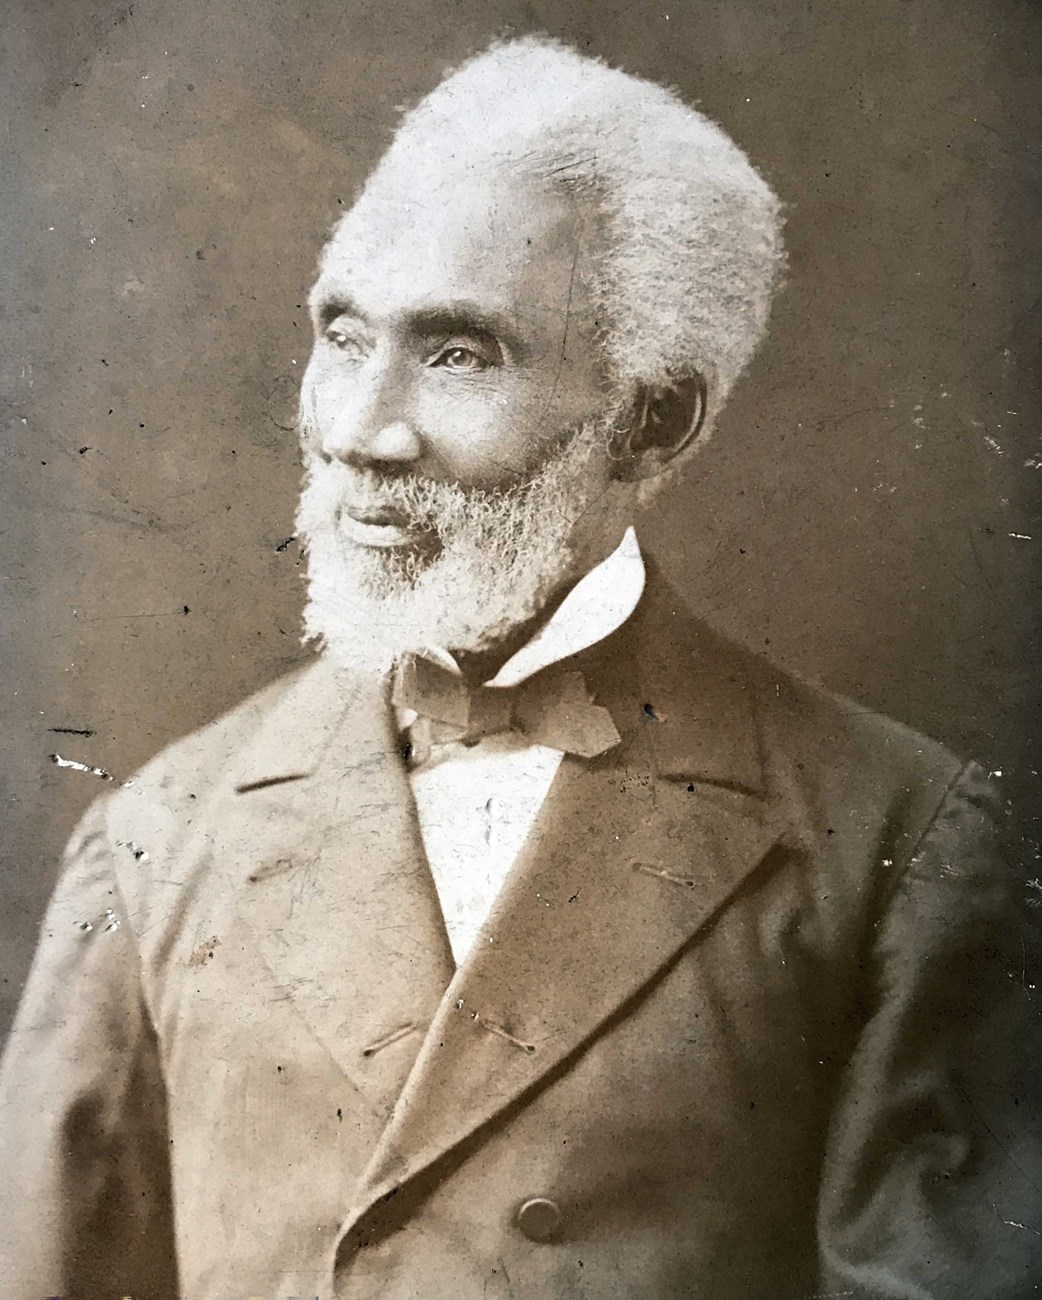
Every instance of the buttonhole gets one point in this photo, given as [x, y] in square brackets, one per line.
[647, 869]
[276, 868]
[500, 1032]
[263, 784]
[388, 1039]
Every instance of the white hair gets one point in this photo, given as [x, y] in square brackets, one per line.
[692, 246]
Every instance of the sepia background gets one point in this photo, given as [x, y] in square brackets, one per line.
[867, 514]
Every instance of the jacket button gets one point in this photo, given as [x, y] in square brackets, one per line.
[539, 1218]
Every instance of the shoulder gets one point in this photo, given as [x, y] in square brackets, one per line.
[163, 801]
[872, 810]
[809, 732]
[871, 800]
[196, 759]
[836, 770]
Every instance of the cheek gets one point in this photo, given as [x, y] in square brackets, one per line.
[494, 433]
[480, 439]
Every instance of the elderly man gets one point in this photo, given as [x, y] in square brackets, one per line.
[532, 940]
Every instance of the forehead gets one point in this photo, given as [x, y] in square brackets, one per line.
[507, 243]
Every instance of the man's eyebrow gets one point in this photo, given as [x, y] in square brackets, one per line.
[436, 320]
[327, 306]
[464, 318]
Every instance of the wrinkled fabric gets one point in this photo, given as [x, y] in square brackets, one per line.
[754, 1010]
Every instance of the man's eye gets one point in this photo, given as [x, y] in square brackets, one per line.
[344, 342]
[461, 359]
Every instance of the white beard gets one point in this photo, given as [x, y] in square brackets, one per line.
[496, 556]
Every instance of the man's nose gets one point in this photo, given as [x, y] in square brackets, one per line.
[370, 428]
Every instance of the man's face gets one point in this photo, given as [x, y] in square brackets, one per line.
[455, 414]
[454, 333]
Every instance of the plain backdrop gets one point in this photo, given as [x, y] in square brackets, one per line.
[867, 514]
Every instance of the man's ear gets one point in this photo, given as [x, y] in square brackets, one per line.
[665, 420]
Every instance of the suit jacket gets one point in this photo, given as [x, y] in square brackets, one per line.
[750, 1019]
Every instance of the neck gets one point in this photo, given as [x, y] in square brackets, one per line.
[481, 666]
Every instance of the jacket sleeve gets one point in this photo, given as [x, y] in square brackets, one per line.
[85, 1205]
[932, 1185]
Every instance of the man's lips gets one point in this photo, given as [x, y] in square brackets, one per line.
[381, 516]
[376, 526]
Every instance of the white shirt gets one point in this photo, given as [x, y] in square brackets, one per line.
[477, 803]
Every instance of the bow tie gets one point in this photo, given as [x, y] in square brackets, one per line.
[553, 708]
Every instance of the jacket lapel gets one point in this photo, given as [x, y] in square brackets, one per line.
[631, 856]
[336, 889]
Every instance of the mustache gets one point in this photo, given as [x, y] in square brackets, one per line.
[418, 501]
[410, 499]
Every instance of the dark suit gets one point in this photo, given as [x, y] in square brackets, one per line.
[752, 1011]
